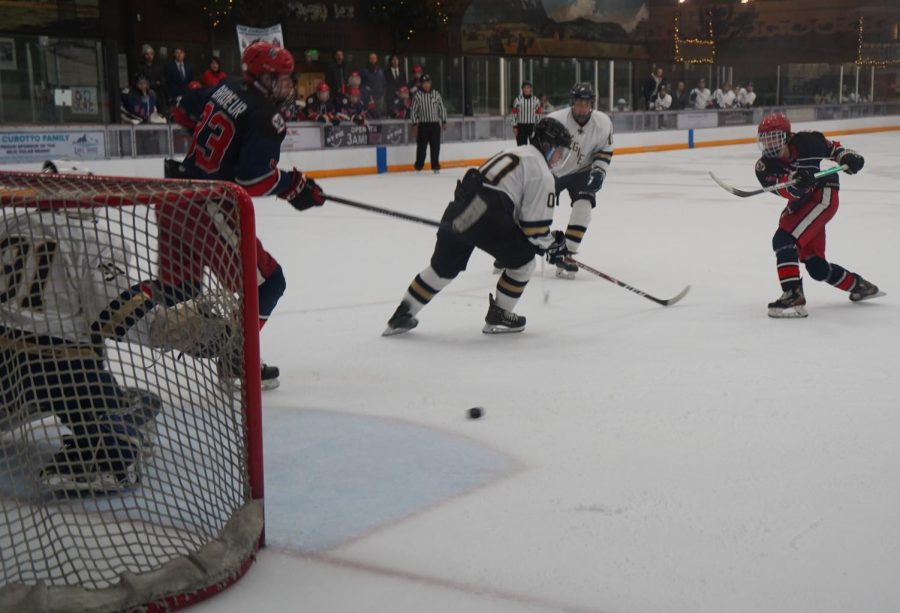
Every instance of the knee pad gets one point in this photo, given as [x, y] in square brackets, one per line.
[782, 240]
[270, 291]
[817, 268]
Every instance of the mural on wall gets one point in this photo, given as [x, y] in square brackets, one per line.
[571, 28]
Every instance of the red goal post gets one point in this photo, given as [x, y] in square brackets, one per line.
[189, 518]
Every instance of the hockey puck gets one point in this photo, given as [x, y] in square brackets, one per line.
[475, 412]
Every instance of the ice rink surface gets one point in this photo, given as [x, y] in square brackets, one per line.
[633, 458]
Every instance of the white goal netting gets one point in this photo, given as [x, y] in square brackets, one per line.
[130, 459]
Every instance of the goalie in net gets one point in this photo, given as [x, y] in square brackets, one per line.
[64, 292]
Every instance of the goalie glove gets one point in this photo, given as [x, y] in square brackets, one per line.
[852, 159]
[189, 328]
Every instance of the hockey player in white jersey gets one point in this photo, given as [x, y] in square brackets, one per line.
[505, 208]
[584, 172]
[64, 291]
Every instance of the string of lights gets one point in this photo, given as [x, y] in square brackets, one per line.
[710, 58]
[218, 10]
[861, 60]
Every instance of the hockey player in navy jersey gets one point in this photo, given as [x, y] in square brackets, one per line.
[238, 131]
[811, 204]
[505, 208]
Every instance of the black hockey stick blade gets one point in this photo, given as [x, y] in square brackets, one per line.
[631, 288]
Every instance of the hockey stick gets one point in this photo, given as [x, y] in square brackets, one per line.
[772, 188]
[377, 209]
[603, 275]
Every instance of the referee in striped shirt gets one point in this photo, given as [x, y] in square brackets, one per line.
[526, 112]
[428, 117]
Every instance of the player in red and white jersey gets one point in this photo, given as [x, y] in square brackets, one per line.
[238, 131]
[811, 204]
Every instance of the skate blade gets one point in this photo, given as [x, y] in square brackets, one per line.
[877, 294]
[564, 274]
[269, 384]
[494, 329]
[389, 331]
[788, 313]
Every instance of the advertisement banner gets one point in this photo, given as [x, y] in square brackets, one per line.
[351, 135]
[247, 36]
[736, 117]
[19, 146]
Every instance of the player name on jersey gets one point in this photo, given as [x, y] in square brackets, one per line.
[230, 101]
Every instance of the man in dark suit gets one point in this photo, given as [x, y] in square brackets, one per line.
[336, 75]
[178, 74]
[394, 77]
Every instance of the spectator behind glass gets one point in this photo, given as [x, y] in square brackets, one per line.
[138, 103]
[178, 74]
[546, 107]
[153, 72]
[213, 73]
[622, 105]
[661, 100]
[651, 86]
[747, 97]
[680, 97]
[701, 96]
[413, 84]
[401, 105]
[724, 96]
[374, 85]
[336, 74]
[354, 81]
[394, 77]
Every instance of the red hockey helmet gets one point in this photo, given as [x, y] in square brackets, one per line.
[194, 85]
[323, 87]
[269, 67]
[772, 134]
[353, 91]
[418, 69]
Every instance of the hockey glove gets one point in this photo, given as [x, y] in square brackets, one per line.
[557, 251]
[804, 180]
[469, 186]
[852, 159]
[304, 193]
[595, 179]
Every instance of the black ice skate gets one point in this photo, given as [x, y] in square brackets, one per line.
[268, 376]
[498, 321]
[864, 290]
[401, 321]
[566, 269]
[231, 369]
[791, 304]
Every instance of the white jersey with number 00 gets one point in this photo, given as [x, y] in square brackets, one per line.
[591, 142]
[523, 175]
[60, 270]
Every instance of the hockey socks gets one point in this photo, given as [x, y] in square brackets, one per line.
[423, 288]
[579, 221]
[511, 284]
[788, 267]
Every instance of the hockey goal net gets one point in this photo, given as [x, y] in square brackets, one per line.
[130, 428]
